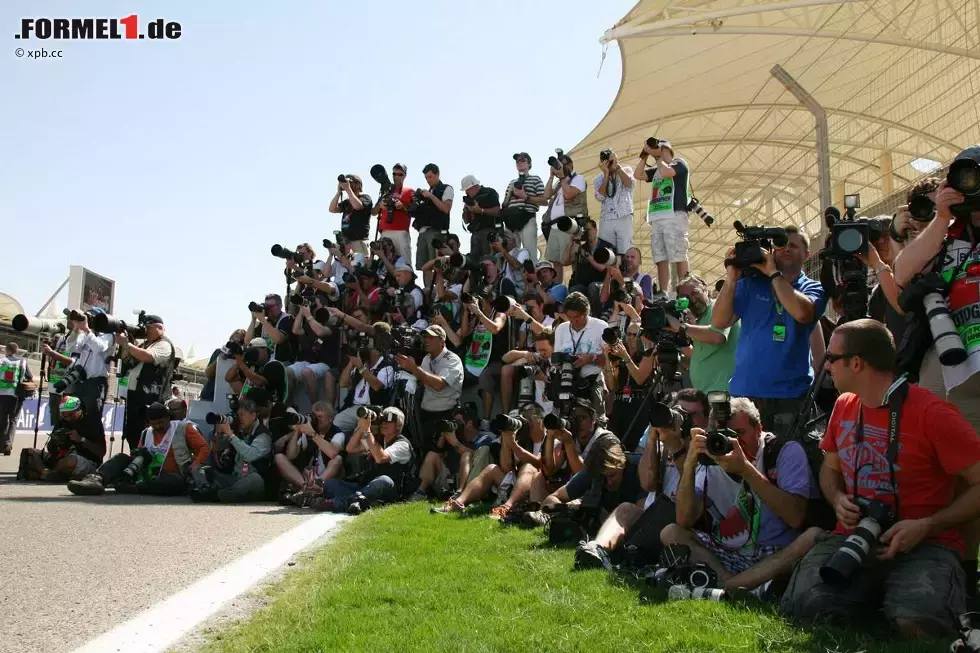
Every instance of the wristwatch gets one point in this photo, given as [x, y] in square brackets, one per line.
[772, 277]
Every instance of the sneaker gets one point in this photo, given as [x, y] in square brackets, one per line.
[536, 518]
[503, 492]
[419, 495]
[591, 555]
[354, 509]
[90, 486]
[7, 449]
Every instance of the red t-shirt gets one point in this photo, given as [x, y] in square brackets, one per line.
[935, 444]
[400, 219]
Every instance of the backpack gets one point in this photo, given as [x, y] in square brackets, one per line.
[818, 512]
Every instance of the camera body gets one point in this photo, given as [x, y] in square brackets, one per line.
[755, 242]
[141, 458]
[557, 161]
[605, 154]
[403, 340]
[672, 418]
[74, 375]
[840, 568]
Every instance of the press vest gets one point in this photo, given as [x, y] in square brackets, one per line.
[11, 373]
[579, 205]
[430, 215]
[174, 440]
[394, 471]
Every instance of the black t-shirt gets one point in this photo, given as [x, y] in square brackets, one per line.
[312, 349]
[356, 225]
[485, 198]
[285, 351]
[584, 273]
[89, 434]
[629, 489]
[306, 454]
[880, 309]
[501, 342]
[274, 373]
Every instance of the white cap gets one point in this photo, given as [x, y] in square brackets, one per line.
[468, 182]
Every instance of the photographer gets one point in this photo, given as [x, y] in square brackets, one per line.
[207, 392]
[521, 447]
[712, 359]
[431, 216]
[276, 327]
[511, 261]
[913, 572]
[148, 381]
[587, 273]
[167, 454]
[670, 191]
[545, 285]
[883, 301]
[581, 336]
[533, 320]
[614, 192]
[369, 378]
[628, 370]
[516, 362]
[367, 291]
[254, 368]
[441, 372]
[355, 209]
[59, 360]
[778, 309]
[342, 261]
[570, 201]
[481, 213]
[392, 212]
[768, 506]
[628, 271]
[310, 454]
[491, 338]
[520, 205]
[389, 462]
[905, 227]
[73, 451]
[250, 442]
[452, 457]
[405, 298]
[950, 247]
[13, 372]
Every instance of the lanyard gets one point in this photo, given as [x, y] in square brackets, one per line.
[576, 343]
[894, 397]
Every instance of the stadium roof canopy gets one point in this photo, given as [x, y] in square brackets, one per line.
[898, 80]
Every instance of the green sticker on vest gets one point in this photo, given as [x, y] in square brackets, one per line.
[661, 196]
[779, 333]
[478, 354]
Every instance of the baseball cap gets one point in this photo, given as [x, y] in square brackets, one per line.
[365, 271]
[258, 342]
[468, 182]
[404, 267]
[523, 155]
[70, 404]
[154, 319]
[667, 144]
[546, 265]
[435, 331]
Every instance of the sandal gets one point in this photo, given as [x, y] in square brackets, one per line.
[500, 512]
[453, 505]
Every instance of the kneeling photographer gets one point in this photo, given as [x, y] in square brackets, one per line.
[895, 456]
[389, 465]
[254, 368]
[369, 378]
[73, 451]
[309, 454]
[769, 494]
[243, 457]
[169, 452]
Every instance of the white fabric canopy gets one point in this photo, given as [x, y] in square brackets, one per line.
[899, 82]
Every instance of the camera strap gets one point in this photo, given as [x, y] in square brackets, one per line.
[894, 398]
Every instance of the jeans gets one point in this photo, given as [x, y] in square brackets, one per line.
[92, 394]
[8, 418]
[235, 489]
[380, 489]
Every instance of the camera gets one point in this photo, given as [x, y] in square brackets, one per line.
[75, 374]
[623, 293]
[446, 426]
[605, 154]
[850, 236]
[402, 339]
[926, 290]
[694, 206]
[564, 374]
[719, 438]
[218, 418]
[504, 422]
[663, 416]
[922, 208]
[653, 142]
[606, 256]
[555, 422]
[256, 307]
[140, 458]
[417, 200]
[250, 355]
[37, 326]
[372, 413]
[286, 254]
[105, 323]
[853, 553]
[232, 348]
[964, 176]
[526, 375]
[749, 250]
[341, 239]
[341, 179]
[557, 161]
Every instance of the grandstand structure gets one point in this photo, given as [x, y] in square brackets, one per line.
[781, 107]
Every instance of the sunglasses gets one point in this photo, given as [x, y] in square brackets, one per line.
[833, 358]
[398, 174]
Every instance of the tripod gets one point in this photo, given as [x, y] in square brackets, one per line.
[40, 389]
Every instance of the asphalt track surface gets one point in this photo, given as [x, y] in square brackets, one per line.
[76, 567]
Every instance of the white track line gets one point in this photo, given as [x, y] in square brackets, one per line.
[159, 627]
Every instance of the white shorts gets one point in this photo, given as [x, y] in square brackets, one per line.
[668, 238]
[558, 242]
[618, 232]
[319, 369]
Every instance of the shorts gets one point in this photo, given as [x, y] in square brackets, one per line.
[668, 238]
[618, 232]
[558, 242]
[441, 482]
[490, 378]
[83, 467]
[927, 585]
[735, 561]
[424, 251]
[358, 247]
[319, 369]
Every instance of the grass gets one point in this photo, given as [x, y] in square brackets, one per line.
[400, 579]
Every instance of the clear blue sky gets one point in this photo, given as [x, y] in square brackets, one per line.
[173, 166]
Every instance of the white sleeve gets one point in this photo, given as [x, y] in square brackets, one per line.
[578, 181]
[447, 195]
[399, 452]
[387, 376]
[338, 440]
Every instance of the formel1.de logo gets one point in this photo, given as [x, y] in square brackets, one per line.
[82, 29]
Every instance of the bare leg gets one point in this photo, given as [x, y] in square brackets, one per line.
[288, 471]
[479, 486]
[663, 275]
[431, 467]
[612, 531]
[525, 477]
[290, 383]
[681, 268]
[559, 272]
[464, 470]
[506, 387]
[778, 564]
[487, 403]
[674, 534]
[539, 488]
[335, 468]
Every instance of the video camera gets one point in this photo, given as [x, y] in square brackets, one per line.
[755, 242]
[286, 254]
[402, 339]
[842, 274]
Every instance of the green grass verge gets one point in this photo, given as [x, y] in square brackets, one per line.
[400, 579]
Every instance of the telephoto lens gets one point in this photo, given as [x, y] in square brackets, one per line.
[217, 418]
[370, 412]
[718, 443]
[341, 178]
[135, 467]
[610, 335]
[502, 303]
[504, 422]
[555, 422]
[922, 208]
[255, 307]
[853, 553]
[949, 344]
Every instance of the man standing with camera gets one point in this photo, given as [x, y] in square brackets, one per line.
[520, 206]
[441, 372]
[570, 201]
[894, 488]
[712, 360]
[431, 216]
[480, 214]
[778, 306]
[669, 180]
[392, 212]
[13, 370]
[355, 210]
[614, 192]
[149, 380]
[276, 327]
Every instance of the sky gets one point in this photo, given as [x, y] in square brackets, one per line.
[173, 166]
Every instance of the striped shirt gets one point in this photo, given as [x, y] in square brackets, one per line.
[533, 186]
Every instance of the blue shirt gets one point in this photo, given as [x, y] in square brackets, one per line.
[765, 368]
[558, 292]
